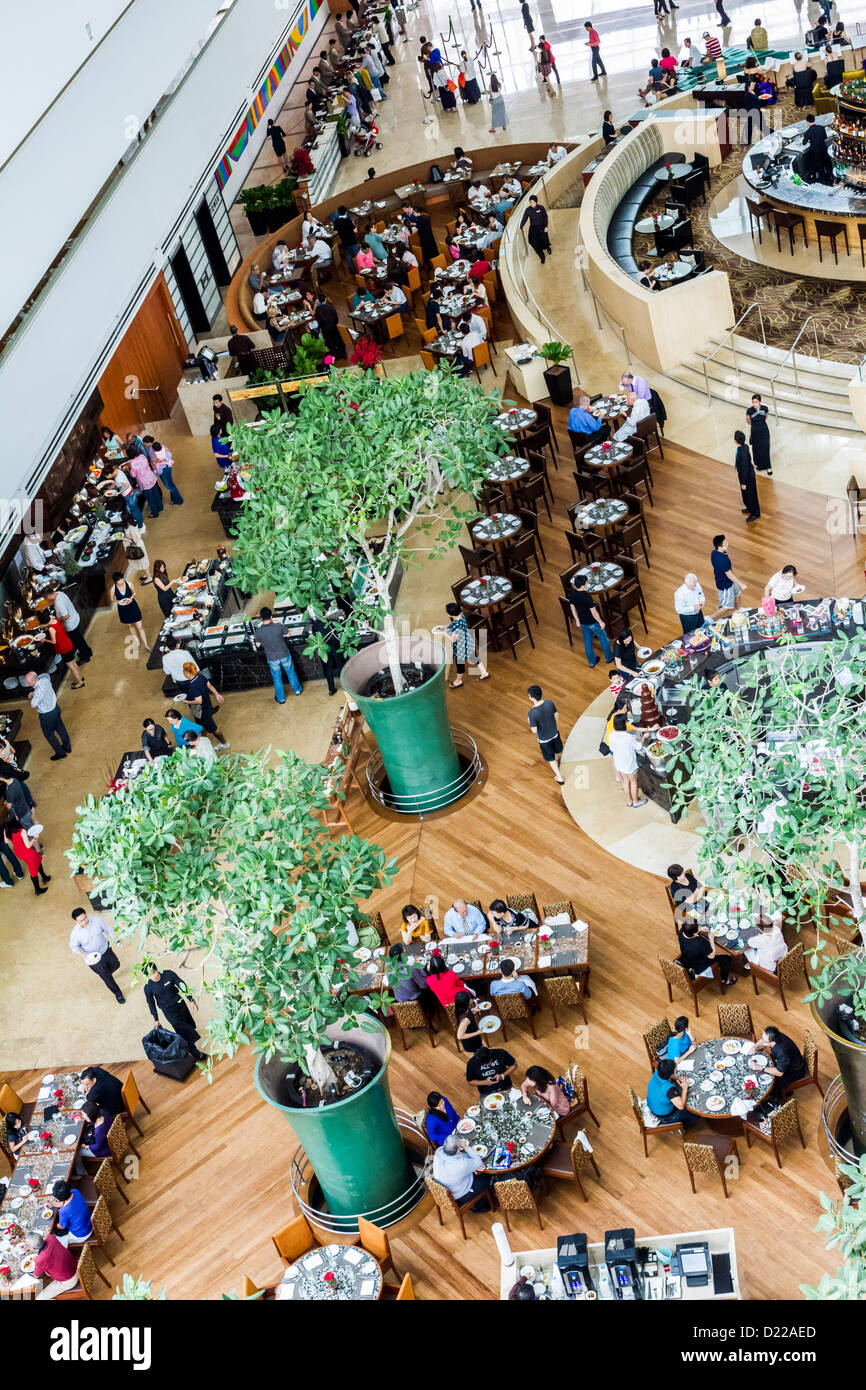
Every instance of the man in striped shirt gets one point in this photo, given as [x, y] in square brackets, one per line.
[44, 701]
[713, 47]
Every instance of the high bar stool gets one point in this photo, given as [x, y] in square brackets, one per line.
[790, 221]
[832, 231]
[759, 212]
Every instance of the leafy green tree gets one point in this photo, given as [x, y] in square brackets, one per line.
[844, 1222]
[371, 466]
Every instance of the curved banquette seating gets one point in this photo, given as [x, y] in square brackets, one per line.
[620, 230]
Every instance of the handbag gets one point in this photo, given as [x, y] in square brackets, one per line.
[133, 552]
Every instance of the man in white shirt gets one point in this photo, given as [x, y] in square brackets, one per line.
[322, 252]
[512, 983]
[686, 54]
[44, 701]
[556, 153]
[468, 342]
[200, 746]
[464, 919]
[68, 615]
[394, 295]
[34, 554]
[477, 190]
[477, 325]
[689, 603]
[511, 188]
[280, 257]
[461, 1170]
[173, 661]
[637, 410]
[92, 935]
[260, 305]
[767, 948]
[782, 587]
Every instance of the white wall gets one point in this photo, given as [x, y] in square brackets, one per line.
[60, 351]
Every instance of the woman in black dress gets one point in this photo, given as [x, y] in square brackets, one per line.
[275, 134]
[328, 321]
[537, 235]
[469, 1035]
[165, 594]
[128, 610]
[759, 436]
[746, 475]
[166, 991]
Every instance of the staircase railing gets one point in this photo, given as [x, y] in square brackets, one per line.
[730, 334]
[792, 354]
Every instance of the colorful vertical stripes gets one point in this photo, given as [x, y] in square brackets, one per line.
[309, 9]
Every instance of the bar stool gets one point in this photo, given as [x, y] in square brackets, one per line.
[789, 220]
[832, 231]
[861, 229]
[759, 212]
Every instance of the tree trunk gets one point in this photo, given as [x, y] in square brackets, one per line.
[323, 1075]
[855, 889]
[389, 632]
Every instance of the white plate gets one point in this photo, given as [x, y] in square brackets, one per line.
[373, 968]
[715, 1103]
[363, 953]
[466, 1126]
[490, 1024]
[644, 653]
[473, 1110]
[527, 1271]
[758, 1062]
[731, 1046]
[458, 967]
[484, 1005]
[515, 960]
[70, 1138]
[16, 1203]
[482, 1149]
[32, 1136]
[494, 1102]
[544, 962]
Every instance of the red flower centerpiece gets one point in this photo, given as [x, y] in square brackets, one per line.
[5, 1272]
[46, 1136]
[301, 164]
[329, 1281]
[750, 1086]
[605, 448]
[58, 1094]
[365, 354]
[33, 1184]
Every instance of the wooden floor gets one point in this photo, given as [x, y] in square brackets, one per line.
[214, 1172]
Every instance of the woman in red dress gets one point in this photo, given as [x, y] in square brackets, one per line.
[443, 982]
[63, 645]
[26, 846]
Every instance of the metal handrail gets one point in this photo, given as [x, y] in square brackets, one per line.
[424, 803]
[301, 1171]
[729, 334]
[791, 353]
[835, 1102]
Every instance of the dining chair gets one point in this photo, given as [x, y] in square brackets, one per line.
[564, 992]
[408, 1015]
[531, 492]
[648, 430]
[132, 1098]
[585, 546]
[445, 1201]
[4, 1143]
[105, 1183]
[450, 1012]
[677, 975]
[545, 417]
[842, 1178]
[428, 361]
[486, 316]
[537, 439]
[520, 587]
[577, 1080]
[789, 969]
[810, 1056]
[635, 510]
[518, 555]
[515, 1194]
[481, 358]
[631, 477]
[394, 327]
[655, 1037]
[438, 263]
[782, 1123]
[539, 468]
[490, 286]
[630, 535]
[515, 1008]
[592, 485]
[564, 905]
[530, 525]
[375, 1241]
[252, 1293]
[568, 1162]
[294, 1240]
[735, 1021]
[709, 1156]
[101, 1227]
[119, 1143]
[832, 231]
[421, 325]
[523, 901]
[88, 1273]
[404, 1293]
[567, 618]
[642, 1115]
[10, 1101]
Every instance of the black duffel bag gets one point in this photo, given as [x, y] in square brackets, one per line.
[169, 1053]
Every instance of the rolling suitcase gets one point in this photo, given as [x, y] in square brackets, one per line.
[169, 1054]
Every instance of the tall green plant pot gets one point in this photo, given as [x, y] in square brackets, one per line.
[412, 730]
[354, 1146]
[851, 1060]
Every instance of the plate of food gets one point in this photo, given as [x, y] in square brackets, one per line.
[758, 1062]
[715, 1103]
[473, 1110]
[27, 1264]
[494, 1102]
[482, 1149]
[362, 953]
[489, 1024]
[483, 1005]
[720, 1065]
[669, 733]
[653, 668]
[373, 968]
[466, 1126]
[644, 653]
[731, 1047]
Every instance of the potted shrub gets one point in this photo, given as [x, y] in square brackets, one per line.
[778, 814]
[255, 202]
[392, 459]
[301, 164]
[556, 375]
[844, 1222]
[283, 210]
[309, 355]
[366, 354]
[234, 861]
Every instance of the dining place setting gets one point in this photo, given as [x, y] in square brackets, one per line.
[607, 512]
[609, 408]
[610, 454]
[601, 575]
[337, 1272]
[516, 419]
[457, 271]
[669, 271]
[499, 527]
[508, 1133]
[471, 236]
[447, 344]
[509, 469]
[486, 591]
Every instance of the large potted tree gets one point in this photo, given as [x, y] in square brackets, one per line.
[234, 861]
[371, 475]
[779, 772]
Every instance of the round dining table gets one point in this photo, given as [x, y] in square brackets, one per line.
[507, 470]
[601, 576]
[520, 418]
[505, 1120]
[610, 407]
[335, 1273]
[720, 1071]
[678, 170]
[678, 270]
[486, 591]
[499, 528]
[600, 456]
[602, 515]
[648, 226]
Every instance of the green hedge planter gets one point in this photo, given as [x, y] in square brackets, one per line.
[354, 1146]
[412, 730]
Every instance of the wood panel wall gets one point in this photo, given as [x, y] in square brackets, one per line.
[153, 351]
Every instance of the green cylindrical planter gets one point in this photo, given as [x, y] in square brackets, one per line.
[412, 730]
[354, 1146]
[851, 1060]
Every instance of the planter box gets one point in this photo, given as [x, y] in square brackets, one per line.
[258, 223]
[559, 386]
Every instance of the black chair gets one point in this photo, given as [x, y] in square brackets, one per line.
[545, 417]
[701, 162]
[591, 485]
[530, 522]
[690, 188]
[538, 439]
[832, 231]
[635, 509]
[538, 468]
[522, 589]
[585, 546]
[509, 626]
[567, 618]
[672, 238]
[478, 561]
[530, 493]
[518, 555]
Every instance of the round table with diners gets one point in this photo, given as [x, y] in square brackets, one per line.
[497, 529]
[471, 237]
[446, 345]
[610, 407]
[724, 1070]
[507, 470]
[520, 418]
[601, 576]
[504, 1120]
[601, 515]
[610, 454]
[335, 1273]
[457, 270]
[486, 591]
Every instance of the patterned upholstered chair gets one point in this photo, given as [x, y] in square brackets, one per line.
[779, 1125]
[557, 909]
[655, 1036]
[519, 901]
[515, 1194]
[445, 1201]
[106, 1183]
[677, 975]
[568, 1161]
[643, 1123]
[87, 1277]
[450, 1012]
[810, 1056]
[735, 1021]
[514, 1007]
[709, 1157]
[410, 1015]
[4, 1143]
[789, 970]
[576, 1079]
[102, 1226]
[120, 1144]
[843, 1179]
[564, 992]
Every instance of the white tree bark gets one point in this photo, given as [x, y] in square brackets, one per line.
[323, 1075]
[854, 888]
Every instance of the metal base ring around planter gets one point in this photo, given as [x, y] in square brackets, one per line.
[834, 1112]
[437, 798]
[303, 1182]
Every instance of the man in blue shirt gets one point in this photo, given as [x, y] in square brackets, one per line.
[728, 586]
[464, 919]
[680, 1043]
[666, 1095]
[181, 726]
[582, 421]
[514, 984]
[73, 1217]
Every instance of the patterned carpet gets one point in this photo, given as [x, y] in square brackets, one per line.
[785, 300]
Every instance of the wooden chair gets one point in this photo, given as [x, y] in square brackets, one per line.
[557, 909]
[673, 1127]
[521, 587]
[428, 361]
[790, 221]
[545, 417]
[87, 1276]
[531, 492]
[709, 1157]
[585, 546]
[783, 1122]
[481, 358]
[445, 1201]
[564, 992]
[568, 1161]
[490, 286]
[635, 511]
[515, 1194]
[421, 325]
[429, 335]
[631, 477]
[4, 1145]
[538, 439]
[629, 595]
[789, 969]
[374, 919]
[676, 974]
[294, 1240]
[476, 561]
[592, 485]
[10, 1101]
[655, 1037]
[105, 1183]
[735, 1021]
[647, 430]
[580, 1105]
[450, 1012]
[539, 468]
[508, 626]
[394, 327]
[520, 553]
[346, 335]
[514, 1007]
[391, 1293]
[375, 1241]
[132, 1098]
[630, 535]
[410, 1015]
[843, 1179]
[119, 1143]
[101, 1228]
[810, 1056]
[438, 263]
[413, 282]
[567, 618]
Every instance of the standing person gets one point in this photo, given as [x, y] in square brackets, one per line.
[165, 594]
[759, 436]
[593, 44]
[746, 474]
[198, 693]
[588, 618]
[166, 991]
[544, 67]
[782, 586]
[44, 701]
[689, 603]
[622, 745]
[537, 236]
[328, 320]
[728, 586]
[59, 639]
[544, 720]
[25, 846]
[528, 22]
[7, 854]
[271, 637]
[545, 47]
[724, 17]
[276, 135]
[147, 480]
[64, 610]
[463, 641]
[498, 114]
[222, 413]
[471, 90]
[91, 937]
[19, 800]
[128, 610]
[163, 462]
